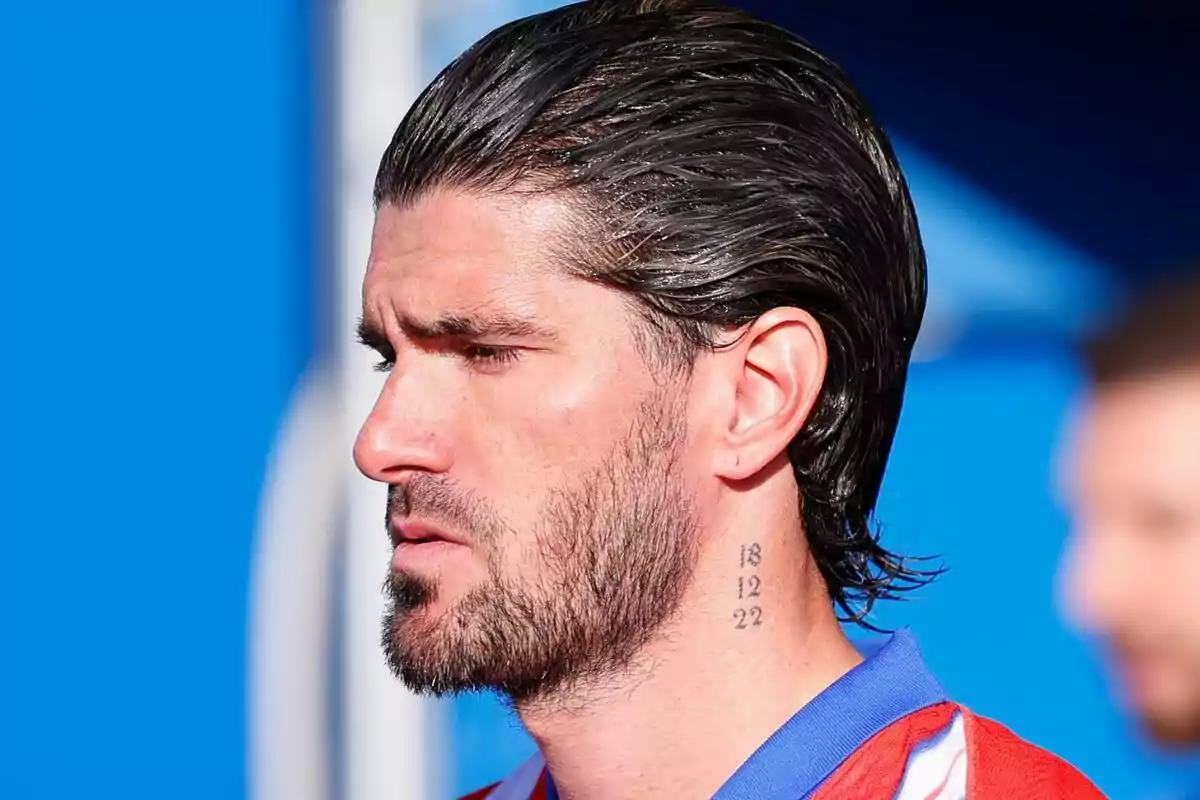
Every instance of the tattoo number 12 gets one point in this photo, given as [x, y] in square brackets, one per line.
[749, 587]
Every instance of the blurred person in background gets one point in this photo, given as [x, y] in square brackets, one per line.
[1132, 479]
[645, 278]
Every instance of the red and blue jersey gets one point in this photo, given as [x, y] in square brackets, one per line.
[883, 730]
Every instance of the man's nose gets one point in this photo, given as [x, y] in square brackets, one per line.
[404, 433]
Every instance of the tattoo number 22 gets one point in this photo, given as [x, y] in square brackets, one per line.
[745, 618]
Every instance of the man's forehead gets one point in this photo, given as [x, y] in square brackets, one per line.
[1157, 412]
[1144, 434]
[451, 235]
[478, 255]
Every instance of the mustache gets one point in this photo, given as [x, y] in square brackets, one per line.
[436, 500]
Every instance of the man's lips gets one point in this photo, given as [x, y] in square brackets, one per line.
[414, 532]
[419, 547]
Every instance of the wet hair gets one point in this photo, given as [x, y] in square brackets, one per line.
[719, 167]
[1157, 334]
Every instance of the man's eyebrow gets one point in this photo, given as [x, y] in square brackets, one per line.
[455, 326]
[473, 326]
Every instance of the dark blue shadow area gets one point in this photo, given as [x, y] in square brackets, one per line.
[1083, 120]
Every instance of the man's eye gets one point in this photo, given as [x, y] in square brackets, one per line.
[385, 365]
[490, 354]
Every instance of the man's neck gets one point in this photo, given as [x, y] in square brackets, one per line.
[755, 640]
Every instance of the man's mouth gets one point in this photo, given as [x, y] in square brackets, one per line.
[418, 545]
[413, 532]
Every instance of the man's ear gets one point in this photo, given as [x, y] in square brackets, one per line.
[773, 373]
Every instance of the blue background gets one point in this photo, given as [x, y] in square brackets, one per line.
[162, 193]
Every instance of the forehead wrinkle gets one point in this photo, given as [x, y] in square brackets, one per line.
[512, 308]
[457, 259]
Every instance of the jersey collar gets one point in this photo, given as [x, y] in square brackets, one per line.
[890, 684]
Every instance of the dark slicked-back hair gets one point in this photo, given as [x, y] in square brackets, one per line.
[719, 167]
[1158, 334]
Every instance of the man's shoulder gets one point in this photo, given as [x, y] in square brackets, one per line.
[948, 752]
[1002, 763]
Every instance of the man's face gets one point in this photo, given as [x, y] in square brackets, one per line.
[538, 502]
[1133, 572]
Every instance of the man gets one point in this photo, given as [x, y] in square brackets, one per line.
[1133, 479]
[645, 277]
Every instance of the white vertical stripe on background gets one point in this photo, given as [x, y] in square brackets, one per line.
[290, 601]
[393, 746]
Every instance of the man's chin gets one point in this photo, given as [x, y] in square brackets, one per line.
[429, 646]
[1164, 697]
[434, 622]
[1174, 730]
[416, 653]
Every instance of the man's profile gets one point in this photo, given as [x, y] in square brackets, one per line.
[1132, 479]
[645, 278]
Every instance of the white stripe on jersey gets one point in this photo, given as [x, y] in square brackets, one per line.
[937, 769]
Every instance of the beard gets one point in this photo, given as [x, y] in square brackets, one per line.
[614, 554]
[1172, 722]
[1173, 728]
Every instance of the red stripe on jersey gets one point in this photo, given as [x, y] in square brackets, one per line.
[1002, 765]
[539, 790]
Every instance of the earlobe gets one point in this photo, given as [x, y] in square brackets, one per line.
[777, 368]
